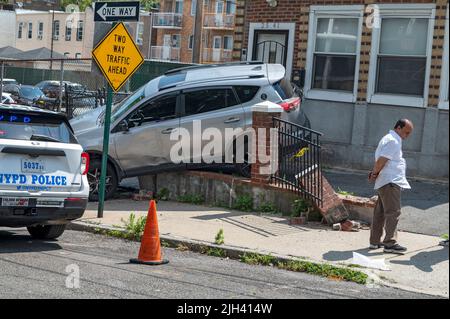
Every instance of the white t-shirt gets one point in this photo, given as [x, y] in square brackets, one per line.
[394, 171]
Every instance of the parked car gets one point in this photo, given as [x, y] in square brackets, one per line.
[221, 96]
[43, 171]
[7, 99]
[51, 88]
[10, 81]
[29, 95]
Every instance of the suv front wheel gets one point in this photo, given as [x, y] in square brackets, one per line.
[46, 231]
[94, 174]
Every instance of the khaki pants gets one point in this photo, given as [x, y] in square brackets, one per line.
[386, 215]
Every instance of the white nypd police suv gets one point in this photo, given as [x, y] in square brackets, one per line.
[43, 182]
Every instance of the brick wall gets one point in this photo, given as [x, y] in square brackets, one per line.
[258, 11]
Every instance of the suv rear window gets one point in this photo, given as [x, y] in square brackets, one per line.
[284, 89]
[246, 93]
[34, 127]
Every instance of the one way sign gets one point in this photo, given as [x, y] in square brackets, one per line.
[116, 11]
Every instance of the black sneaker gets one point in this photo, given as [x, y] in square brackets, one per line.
[396, 249]
[376, 246]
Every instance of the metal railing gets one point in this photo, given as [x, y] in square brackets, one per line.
[218, 21]
[167, 20]
[299, 160]
[165, 53]
[217, 55]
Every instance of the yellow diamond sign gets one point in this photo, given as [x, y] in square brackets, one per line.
[117, 56]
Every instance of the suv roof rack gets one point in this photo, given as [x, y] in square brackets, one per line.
[197, 67]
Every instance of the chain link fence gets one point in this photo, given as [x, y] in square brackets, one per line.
[72, 86]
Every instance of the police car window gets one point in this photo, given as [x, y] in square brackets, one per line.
[33, 127]
[208, 100]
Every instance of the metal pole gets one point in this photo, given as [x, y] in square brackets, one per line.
[1, 80]
[101, 199]
[51, 43]
[107, 123]
[60, 86]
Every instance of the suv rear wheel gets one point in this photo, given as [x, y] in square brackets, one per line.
[46, 231]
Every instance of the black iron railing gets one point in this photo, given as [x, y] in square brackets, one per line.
[299, 160]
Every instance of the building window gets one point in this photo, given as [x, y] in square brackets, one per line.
[176, 40]
[40, 34]
[191, 42]
[230, 7]
[68, 30]
[77, 55]
[333, 53]
[80, 31]
[56, 30]
[194, 7]
[228, 42]
[140, 34]
[400, 56]
[66, 54]
[179, 6]
[443, 103]
[20, 30]
[30, 30]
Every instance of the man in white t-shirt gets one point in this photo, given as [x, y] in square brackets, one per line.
[389, 175]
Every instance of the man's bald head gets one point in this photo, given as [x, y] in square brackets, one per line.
[404, 128]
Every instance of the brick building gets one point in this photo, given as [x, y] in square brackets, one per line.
[362, 64]
[175, 28]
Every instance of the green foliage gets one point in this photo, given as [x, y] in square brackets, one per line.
[163, 194]
[216, 252]
[267, 208]
[146, 5]
[220, 238]
[299, 208]
[324, 270]
[445, 236]
[243, 203]
[342, 192]
[134, 226]
[191, 199]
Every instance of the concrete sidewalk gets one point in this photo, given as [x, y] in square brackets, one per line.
[424, 269]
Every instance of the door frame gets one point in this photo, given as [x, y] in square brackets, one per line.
[270, 27]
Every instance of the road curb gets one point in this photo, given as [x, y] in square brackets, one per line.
[234, 252]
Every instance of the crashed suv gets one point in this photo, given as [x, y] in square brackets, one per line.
[220, 96]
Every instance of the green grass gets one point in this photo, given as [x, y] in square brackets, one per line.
[445, 236]
[216, 252]
[323, 270]
[191, 199]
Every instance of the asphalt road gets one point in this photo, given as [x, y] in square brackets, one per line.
[48, 269]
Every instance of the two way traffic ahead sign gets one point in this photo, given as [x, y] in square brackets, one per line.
[117, 56]
[116, 11]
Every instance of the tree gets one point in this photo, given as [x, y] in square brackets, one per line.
[83, 4]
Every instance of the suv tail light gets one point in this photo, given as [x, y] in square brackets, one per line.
[84, 163]
[291, 104]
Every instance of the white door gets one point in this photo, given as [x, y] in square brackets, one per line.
[217, 47]
[166, 47]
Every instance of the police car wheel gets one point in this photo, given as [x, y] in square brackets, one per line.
[46, 231]
[94, 174]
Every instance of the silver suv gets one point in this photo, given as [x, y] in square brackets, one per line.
[220, 96]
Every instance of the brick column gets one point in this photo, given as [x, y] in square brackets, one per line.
[262, 115]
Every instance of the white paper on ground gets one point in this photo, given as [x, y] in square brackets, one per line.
[364, 261]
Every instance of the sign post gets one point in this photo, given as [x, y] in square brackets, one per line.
[118, 58]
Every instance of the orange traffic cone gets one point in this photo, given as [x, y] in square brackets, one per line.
[150, 251]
